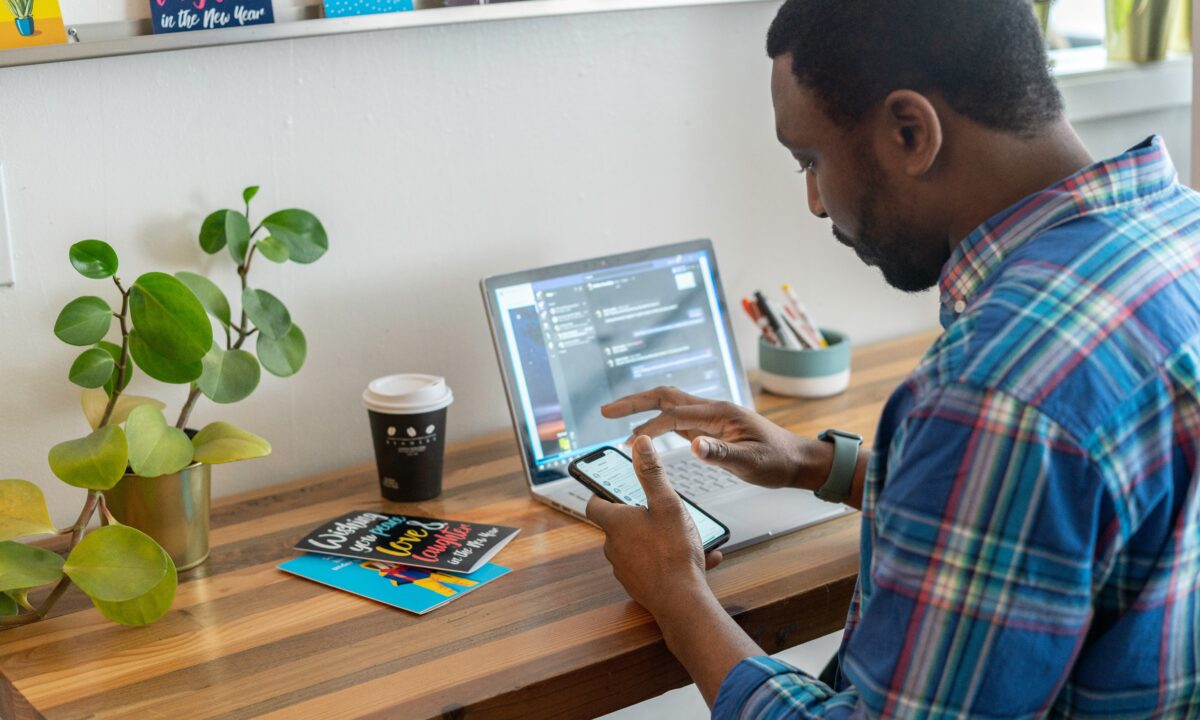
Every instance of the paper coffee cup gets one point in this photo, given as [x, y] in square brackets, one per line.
[408, 426]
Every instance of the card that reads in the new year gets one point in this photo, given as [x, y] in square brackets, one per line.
[343, 8]
[171, 16]
[26, 23]
[417, 590]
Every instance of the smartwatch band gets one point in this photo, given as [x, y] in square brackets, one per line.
[845, 460]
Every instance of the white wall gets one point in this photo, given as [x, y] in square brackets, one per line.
[434, 156]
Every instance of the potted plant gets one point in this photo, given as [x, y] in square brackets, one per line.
[1138, 30]
[22, 12]
[1042, 9]
[148, 479]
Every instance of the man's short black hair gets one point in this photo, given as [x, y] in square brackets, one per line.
[986, 58]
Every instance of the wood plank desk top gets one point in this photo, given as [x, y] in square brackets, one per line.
[558, 637]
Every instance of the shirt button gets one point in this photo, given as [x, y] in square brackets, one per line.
[959, 306]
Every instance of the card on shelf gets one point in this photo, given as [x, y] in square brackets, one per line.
[27, 23]
[456, 546]
[170, 16]
[416, 590]
[344, 8]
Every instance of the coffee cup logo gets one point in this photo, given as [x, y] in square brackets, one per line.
[391, 432]
[429, 430]
[412, 432]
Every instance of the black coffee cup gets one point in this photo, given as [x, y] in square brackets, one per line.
[408, 425]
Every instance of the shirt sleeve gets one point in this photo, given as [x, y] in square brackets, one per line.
[978, 573]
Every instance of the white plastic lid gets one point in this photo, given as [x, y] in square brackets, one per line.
[407, 393]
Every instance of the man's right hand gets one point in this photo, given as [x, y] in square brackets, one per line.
[729, 436]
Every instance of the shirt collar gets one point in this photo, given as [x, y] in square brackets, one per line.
[1142, 171]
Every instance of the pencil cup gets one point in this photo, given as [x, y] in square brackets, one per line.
[806, 373]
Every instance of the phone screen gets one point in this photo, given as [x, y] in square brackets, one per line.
[614, 472]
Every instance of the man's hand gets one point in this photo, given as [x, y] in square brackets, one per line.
[655, 551]
[729, 436]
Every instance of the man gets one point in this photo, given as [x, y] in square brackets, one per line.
[1031, 507]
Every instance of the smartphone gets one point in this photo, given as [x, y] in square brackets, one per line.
[609, 473]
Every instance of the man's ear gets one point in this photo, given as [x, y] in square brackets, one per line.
[913, 131]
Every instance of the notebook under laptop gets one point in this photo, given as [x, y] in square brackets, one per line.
[573, 337]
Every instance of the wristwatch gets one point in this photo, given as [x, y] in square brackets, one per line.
[845, 459]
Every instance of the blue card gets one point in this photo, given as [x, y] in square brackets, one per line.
[342, 8]
[184, 15]
[408, 588]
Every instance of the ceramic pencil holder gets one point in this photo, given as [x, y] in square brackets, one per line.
[806, 373]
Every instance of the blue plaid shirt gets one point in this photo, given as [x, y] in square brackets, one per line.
[1031, 516]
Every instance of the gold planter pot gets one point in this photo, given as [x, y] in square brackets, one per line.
[1139, 30]
[172, 509]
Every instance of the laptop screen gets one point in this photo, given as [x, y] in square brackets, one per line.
[576, 337]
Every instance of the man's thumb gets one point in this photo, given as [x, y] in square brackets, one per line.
[650, 471]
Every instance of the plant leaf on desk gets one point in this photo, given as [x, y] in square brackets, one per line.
[94, 402]
[25, 566]
[147, 608]
[229, 375]
[84, 321]
[212, 232]
[92, 369]
[8, 606]
[161, 367]
[155, 448]
[116, 563]
[237, 232]
[273, 249]
[23, 510]
[301, 232]
[223, 442]
[169, 317]
[94, 259]
[210, 296]
[283, 357]
[95, 462]
[267, 312]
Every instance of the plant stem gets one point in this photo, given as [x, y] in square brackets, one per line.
[85, 516]
[106, 516]
[124, 357]
[193, 396]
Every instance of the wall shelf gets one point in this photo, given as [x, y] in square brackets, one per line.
[131, 37]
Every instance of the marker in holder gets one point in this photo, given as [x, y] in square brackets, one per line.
[806, 373]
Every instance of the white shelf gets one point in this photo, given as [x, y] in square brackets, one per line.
[134, 37]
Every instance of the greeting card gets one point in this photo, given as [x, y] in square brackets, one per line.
[26, 23]
[342, 8]
[184, 15]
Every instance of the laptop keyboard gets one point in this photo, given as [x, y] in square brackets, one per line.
[696, 479]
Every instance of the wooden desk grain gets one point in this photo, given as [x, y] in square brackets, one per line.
[558, 637]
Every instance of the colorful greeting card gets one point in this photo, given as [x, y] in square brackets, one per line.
[342, 8]
[171, 16]
[26, 23]
[413, 589]
[453, 546]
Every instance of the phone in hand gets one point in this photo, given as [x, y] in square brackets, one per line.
[609, 473]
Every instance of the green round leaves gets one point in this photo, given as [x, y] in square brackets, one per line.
[169, 317]
[229, 375]
[267, 312]
[273, 249]
[116, 563]
[209, 294]
[84, 321]
[237, 233]
[95, 462]
[249, 193]
[301, 232]
[160, 367]
[92, 368]
[23, 510]
[94, 403]
[25, 566]
[283, 357]
[147, 608]
[221, 442]
[155, 448]
[212, 232]
[114, 352]
[94, 259]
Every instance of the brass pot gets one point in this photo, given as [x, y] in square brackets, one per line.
[172, 509]
[1141, 34]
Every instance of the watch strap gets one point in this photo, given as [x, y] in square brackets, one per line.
[840, 482]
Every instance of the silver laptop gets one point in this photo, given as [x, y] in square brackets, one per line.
[573, 337]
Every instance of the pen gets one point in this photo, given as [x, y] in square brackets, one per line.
[757, 316]
[765, 308]
[802, 333]
[802, 313]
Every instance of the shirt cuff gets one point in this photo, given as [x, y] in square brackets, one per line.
[746, 677]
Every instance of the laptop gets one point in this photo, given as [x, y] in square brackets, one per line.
[570, 338]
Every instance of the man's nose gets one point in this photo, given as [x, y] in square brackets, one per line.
[814, 196]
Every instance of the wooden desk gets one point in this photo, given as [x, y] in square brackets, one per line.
[558, 637]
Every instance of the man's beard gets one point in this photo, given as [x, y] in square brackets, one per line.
[909, 263]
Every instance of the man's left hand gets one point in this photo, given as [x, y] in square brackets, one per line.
[655, 551]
